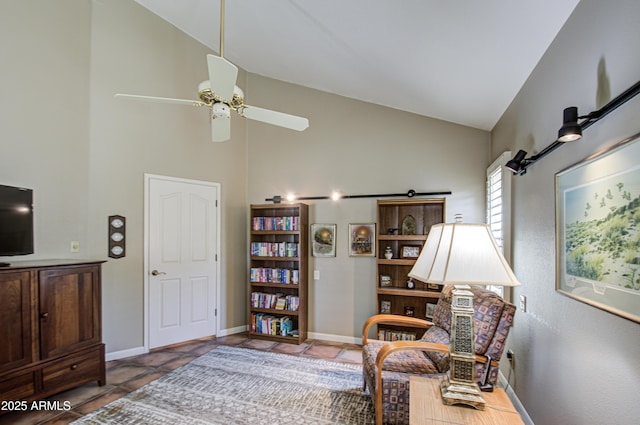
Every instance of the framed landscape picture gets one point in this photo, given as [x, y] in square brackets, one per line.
[362, 239]
[598, 230]
[323, 240]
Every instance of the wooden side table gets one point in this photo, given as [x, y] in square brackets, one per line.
[426, 407]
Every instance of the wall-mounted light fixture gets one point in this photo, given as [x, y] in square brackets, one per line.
[337, 196]
[571, 129]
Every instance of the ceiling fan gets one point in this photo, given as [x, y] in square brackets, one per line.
[221, 95]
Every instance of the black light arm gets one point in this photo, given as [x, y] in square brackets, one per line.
[587, 121]
[409, 194]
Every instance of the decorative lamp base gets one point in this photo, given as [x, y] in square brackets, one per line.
[461, 393]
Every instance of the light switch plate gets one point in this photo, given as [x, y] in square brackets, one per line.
[523, 303]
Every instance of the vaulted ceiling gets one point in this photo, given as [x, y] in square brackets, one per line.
[461, 61]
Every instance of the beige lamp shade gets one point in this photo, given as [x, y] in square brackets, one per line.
[461, 253]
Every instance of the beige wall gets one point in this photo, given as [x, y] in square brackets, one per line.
[357, 148]
[575, 364]
[44, 114]
[85, 153]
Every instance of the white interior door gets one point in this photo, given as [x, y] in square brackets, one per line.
[182, 268]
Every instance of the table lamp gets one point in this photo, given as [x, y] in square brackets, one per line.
[461, 254]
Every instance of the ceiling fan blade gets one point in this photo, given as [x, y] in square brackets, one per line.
[220, 128]
[222, 76]
[161, 99]
[276, 118]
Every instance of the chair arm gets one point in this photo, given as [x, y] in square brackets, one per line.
[392, 319]
[392, 347]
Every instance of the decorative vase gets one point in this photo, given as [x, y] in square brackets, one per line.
[388, 254]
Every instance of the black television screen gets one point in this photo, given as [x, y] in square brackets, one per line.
[16, 221]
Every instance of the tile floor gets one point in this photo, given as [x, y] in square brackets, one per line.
[127, 375]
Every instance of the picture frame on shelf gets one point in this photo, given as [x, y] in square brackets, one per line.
[385, 307]
[433, 286]
[430, 308]
[323, 240]
[362, 239]
[597, 205]
[385, 281]
[410, 252]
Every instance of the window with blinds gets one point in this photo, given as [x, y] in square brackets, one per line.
[498, 202]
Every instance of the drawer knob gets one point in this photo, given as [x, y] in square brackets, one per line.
[74, 367]
[44, 315]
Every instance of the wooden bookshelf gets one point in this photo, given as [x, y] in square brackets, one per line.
[403, 226]
[278, 268]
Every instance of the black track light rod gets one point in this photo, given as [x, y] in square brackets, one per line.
[587, 121]
[409, 194]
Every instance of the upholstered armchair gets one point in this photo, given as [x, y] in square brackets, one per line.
[387, 366]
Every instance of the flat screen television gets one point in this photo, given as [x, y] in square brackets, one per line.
[16, 221]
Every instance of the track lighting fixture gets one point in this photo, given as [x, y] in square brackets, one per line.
[571, 129]
[337, 196]
[516, 164]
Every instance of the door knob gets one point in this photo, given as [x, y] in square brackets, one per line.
[156, 272]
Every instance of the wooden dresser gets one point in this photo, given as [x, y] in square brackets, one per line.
[50, 327]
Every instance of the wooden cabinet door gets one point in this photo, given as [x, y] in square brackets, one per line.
[69, 309]
[16, 330]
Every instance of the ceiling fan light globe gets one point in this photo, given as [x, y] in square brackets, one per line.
[220, 110]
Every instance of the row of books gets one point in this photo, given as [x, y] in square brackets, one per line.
[275, 223]
[270, 325]
[277, 301]
[274, 249]
[270, 275]
[389, 335]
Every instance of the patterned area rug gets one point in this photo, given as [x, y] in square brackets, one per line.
[232, 385]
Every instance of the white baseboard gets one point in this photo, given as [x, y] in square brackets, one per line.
[232, 331]
[117, 355]
[514, 399]
[335, 338]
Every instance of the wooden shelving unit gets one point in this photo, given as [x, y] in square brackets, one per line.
[278, 270]
[403, 223]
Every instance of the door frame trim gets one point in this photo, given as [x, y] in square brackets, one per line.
[147, 183]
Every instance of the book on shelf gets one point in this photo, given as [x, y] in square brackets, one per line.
[274, 249]
[274, 275]
[293, 303]
[277, 301]
[391, 335]
[281, 303]
[286, 223]
[267, 324]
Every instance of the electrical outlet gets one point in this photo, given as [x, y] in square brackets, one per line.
[75, 246]
[523, 303]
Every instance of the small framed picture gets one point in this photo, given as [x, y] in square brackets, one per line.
[430, 308]
[410, 251]
[408, 311]
[433, 286]
[323, 240]
[385, 281]
[362, 240]
[385, 307]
